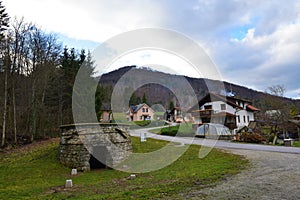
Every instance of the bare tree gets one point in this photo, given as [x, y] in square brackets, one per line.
[276, 110]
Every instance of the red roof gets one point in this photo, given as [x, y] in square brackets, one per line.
[252, 108]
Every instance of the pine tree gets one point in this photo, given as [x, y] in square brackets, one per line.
[4, 21]
[144, 99]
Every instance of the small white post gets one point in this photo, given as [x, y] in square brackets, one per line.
[132, 176]
[69, 183]
[74, 172]
[143, 137]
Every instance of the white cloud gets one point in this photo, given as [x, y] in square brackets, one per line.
[254, 43]
[267, 59]
[87, 19]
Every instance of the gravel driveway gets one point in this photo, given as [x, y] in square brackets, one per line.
[272, 176]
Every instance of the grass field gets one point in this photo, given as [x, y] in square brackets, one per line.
[185, 129]
[34, 173]
[296, 144]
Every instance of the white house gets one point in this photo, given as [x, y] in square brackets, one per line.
[230, 111]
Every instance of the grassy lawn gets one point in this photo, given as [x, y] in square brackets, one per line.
[34, 173]
[182, 130]
[121, 118]
[296, 144]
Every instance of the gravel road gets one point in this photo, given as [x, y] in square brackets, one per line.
[274, 172]
[272, 176]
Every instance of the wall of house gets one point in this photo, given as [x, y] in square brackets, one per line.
[243, 118]
[249, 116]
[216, 106]
[138, 116]
[106, 116]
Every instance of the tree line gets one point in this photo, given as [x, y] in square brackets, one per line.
[36, 80]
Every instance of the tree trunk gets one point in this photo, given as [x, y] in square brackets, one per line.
[5, 109]
[14, 111]
[275, 134]
[33, 128]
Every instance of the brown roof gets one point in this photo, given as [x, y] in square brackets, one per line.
[215, 97]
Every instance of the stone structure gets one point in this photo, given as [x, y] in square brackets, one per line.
[89, 146]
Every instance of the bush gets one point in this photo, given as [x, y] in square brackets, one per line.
[252, 137]
[142, 123]
[271, 138]
[146, 124]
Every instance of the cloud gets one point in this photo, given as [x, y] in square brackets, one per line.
[254, 43]
[263, 60]
[88, 19]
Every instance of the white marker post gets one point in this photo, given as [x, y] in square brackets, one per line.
[143, 137]
[69, 183]
[74, 172]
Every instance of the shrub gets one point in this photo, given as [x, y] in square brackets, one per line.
[271, 138]
[252, 137]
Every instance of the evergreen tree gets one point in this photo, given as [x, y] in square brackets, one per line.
[4, 21]
[171, 105]
[133, 100]
[144, 99]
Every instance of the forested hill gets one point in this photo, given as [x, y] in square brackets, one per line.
[156, 93]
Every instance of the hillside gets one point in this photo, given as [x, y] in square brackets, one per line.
[156, 93]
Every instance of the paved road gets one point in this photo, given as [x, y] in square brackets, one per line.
[217, 143]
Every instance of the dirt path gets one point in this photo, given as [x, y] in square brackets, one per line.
[271, 176]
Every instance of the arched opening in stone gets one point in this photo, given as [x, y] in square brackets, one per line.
[99, 158]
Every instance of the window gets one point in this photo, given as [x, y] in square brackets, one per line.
[208, 107]
[146, 109]
[238, 119]
[143, 110]
[248, 118]
[223, 106]
[244, 119]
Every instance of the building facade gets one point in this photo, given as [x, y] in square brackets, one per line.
[140, 112]
[230, 111]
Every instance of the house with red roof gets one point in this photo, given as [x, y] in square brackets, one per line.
[228, 110]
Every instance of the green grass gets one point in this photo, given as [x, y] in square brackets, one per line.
[296, 144]
[185, 129]
[35, 173]
[121, 118]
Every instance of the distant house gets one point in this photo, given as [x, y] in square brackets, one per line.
[230, 111]
[106, 111]
[140, 112]
[174, 115]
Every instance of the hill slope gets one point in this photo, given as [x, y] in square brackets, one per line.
[157, 93]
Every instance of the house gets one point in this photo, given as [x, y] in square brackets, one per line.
[140, 112]
[174, 115]
[106, 113]
[228, 110]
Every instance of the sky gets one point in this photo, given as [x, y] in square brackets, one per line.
[252, 43]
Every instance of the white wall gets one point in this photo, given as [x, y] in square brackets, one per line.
[249, 116]
[216, 106]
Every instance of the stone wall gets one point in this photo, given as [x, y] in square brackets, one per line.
[108, 143]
